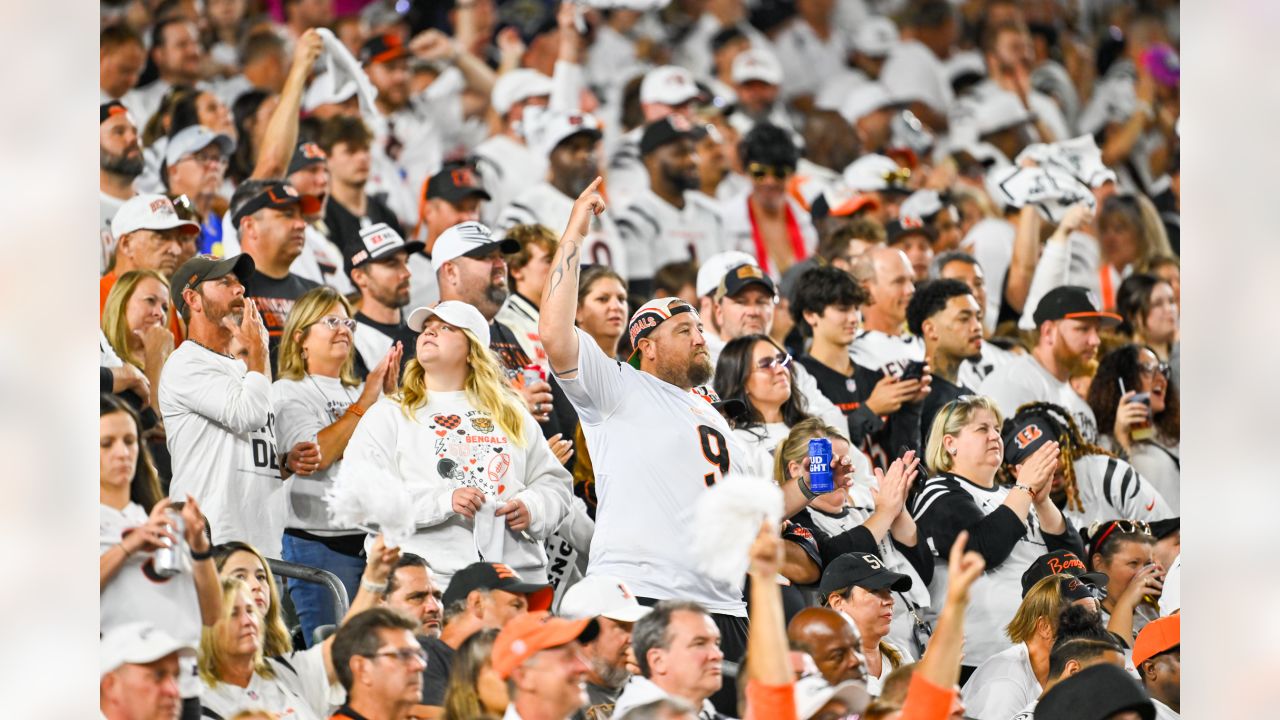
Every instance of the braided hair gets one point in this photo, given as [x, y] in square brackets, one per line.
[1071, 447]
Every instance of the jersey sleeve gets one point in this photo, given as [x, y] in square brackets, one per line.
[240, 404]
[942, 510]
[1130, 495]
[600, 385]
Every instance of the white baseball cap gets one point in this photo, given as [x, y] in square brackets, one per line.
[756, 64]
[870, 173]
[556, 127]
[875, 36]
[148, 212]
[922, 204]
[137, 643]
[322, 92]
[468, 238]
[668, 85]
[711, 272]
[967, 62]
[601, 596]
[999, 111]
[864, 100]
[813, 692]
[193, 139]
[517, 85]
[457, 314]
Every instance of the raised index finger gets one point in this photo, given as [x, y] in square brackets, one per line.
[593, 187]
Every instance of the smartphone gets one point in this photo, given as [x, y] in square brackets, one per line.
[913, 371]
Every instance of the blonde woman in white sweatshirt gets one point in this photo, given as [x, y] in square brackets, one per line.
[485, 484]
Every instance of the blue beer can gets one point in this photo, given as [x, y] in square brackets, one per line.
[820, 478]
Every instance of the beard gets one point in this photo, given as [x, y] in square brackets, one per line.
[491, 301]
[124, 165]
[611, 675]
[692, 371]
[680, 180]
[1078, 365]
[392, 297]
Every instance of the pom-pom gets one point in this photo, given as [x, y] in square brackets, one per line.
[726, 521]
[369, 496]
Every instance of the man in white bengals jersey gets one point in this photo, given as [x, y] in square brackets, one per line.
[569, 142]
[655, 446]
[884, 343]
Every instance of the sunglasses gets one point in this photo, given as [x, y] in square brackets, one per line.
[1106, 527]
[333, 323]
[760, 171]
[782, 360]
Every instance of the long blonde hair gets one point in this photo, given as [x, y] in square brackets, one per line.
[486, 389]
[951, 419]
[307, 311]
[115, 324]
[795, 446]
[212, 660]
[276, 640]
[1043, 600]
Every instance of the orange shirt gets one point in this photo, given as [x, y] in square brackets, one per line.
[108, 281]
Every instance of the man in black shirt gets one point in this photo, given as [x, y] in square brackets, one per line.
[947, 316]
[267, 215]
[379, 269]
[883, 411]
[346, 141]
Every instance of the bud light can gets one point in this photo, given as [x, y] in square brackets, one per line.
[820, 478]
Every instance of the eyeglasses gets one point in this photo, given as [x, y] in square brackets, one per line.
[404, 655]
[333, 322]
[760, 171]
[1149, 369]
[208, 158]
[782, 360]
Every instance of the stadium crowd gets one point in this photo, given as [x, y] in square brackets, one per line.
[475, 359]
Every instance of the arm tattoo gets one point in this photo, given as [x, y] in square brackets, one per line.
[569, 264]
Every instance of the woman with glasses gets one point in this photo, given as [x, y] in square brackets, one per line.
[766, 222]
[1149, 309]
[317, 399]
[1089, 483]
[758, 374]
[1145, 432]
[1123, 551]
[243, 660]
[1009, 525]
[483, 480]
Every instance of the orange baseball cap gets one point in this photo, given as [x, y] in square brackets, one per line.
[1158, 636]
[531, 633]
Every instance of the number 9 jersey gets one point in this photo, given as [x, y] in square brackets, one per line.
[655, 449]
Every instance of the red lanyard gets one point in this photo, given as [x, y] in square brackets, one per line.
[793, 231]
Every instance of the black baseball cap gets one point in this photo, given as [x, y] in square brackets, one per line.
[306, 155]
[382, 48]
[1060, 562]
[496, 576]
[275, 195]
[207, 267]
[1072, 302]
[742, 277]
[455, 182]
[667, 130]
[862, 570]
[1074, 588]
[895, 230]
[1023, 435]
[1095, 693]
[1162, 529]
[110, 110]
[377, 242]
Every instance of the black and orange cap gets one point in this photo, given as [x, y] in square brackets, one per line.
[382, 48]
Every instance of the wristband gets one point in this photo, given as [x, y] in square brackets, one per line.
[124, 549]
[355, 410]
[1020, 486]
[375, 588]
[198, 556]
[803, 484]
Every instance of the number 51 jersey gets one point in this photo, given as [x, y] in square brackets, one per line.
[655, 449]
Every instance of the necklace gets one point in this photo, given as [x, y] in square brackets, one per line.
[206, 347]
[320, 390]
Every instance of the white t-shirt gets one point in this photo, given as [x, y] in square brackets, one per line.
[1028, 712]
[913, 72]
[545, 205]
[973, 372]
[877, 350]
[272, 694]
[1023, 379]
[451, 445]
[655, 449]
[1164, 712]
[875, 684]
[1171, 594]
[1001, 686]
[219, 427]
[655, 232]
[303, 408]
[762, 441]
[507, 167]
[806, 59]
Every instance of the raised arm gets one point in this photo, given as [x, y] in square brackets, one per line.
[282, 129]
[559, 304]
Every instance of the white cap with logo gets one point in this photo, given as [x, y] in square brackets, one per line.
[601, 596]
[455, 313]
[875, 36]
[756, 64]
[148, 212]
[467, 238]
[193, 139]
[137, 643]
[517, 85]
[668, 85]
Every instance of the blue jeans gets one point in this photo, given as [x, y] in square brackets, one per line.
[312, 601]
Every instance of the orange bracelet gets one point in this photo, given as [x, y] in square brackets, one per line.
[355, 410]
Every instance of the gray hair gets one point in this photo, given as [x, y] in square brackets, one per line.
[948, 257]
[651, 630]
[658, 709]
